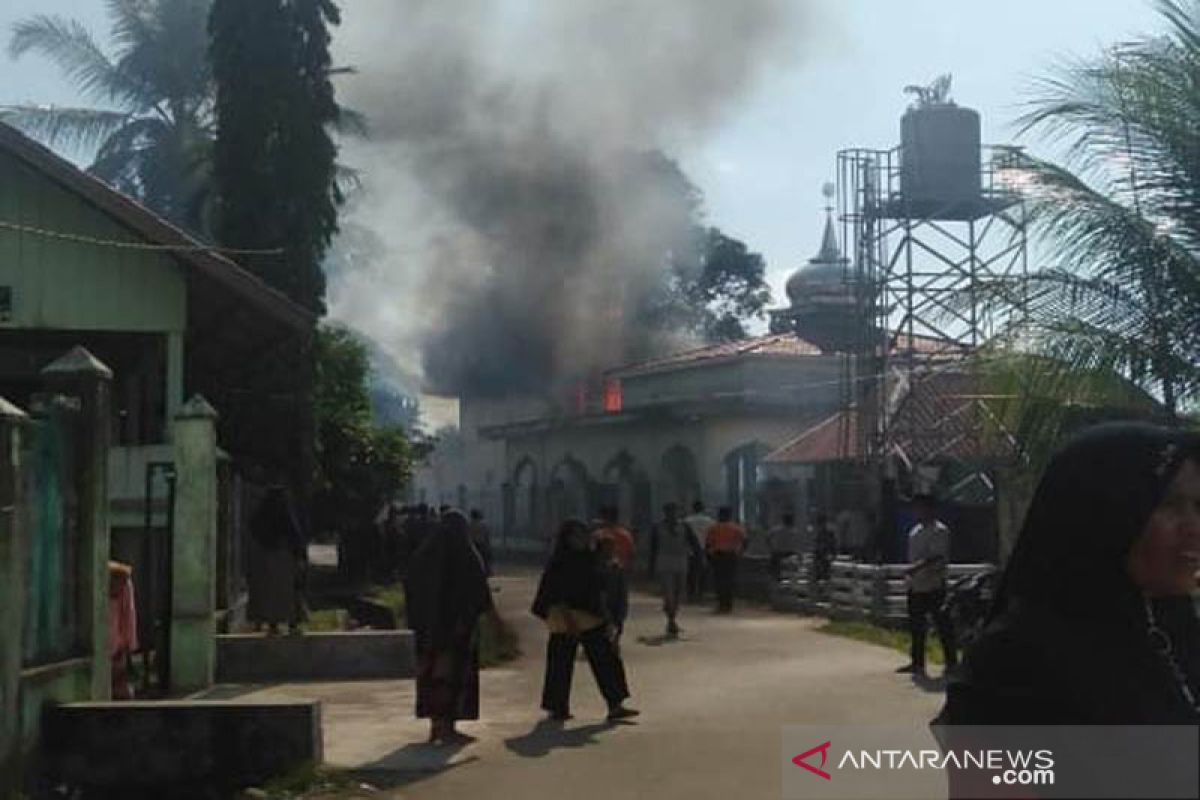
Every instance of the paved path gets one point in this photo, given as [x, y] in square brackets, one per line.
[712, 703]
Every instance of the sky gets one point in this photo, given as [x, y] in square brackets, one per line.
[761, 169]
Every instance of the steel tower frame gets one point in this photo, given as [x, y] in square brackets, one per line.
[918, 268]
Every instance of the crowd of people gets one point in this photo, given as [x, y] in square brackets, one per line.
[1093, 623]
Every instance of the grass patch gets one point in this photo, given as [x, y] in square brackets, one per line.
[321, 620]
[391, 596]
[892, 638]
[498, 641]
[308, 781]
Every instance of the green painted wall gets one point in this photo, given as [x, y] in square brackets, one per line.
[77, 286]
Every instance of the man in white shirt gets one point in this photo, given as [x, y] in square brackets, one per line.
[928, 557]
[699, 522]
[783, 541]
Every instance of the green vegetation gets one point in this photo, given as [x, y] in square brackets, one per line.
[325, 619]
[892, 638]
[310, 780]
[151, 126]
[359, 465]
[1119, 293]
[392, 597]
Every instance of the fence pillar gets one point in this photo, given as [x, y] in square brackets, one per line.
[82, 376]
[12, 592]
[194, 548]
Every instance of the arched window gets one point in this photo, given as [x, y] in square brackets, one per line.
[524, 494]
[741, 481]
[568, 494]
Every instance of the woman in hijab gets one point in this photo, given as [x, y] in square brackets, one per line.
[571, 600]
[1093, 623]
[274, 561]
[446, 593]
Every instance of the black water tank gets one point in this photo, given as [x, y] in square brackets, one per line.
[940, 157]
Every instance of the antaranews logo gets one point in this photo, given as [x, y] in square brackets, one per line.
[1009, 767]
[802, 760]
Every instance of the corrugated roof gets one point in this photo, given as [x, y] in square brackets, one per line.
[154, 229]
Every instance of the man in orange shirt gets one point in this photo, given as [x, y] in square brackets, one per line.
[725, 542]
[622, 539]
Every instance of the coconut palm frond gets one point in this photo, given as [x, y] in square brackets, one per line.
[83, 128]
[69, 45]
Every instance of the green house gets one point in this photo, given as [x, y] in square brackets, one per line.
[83, 265]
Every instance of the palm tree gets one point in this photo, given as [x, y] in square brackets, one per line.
[152, 125]
[1121, 217]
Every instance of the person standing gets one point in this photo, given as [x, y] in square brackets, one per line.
[824, 547]
[672, 545]
[481, 538]
[622, 539]
[570, 600]
[446, 594]
[1094, 621]
[274, 564]
[725, 542]
[699, 522]
[783, 541]
[928, 558]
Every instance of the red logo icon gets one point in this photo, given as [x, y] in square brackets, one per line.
[823, 749]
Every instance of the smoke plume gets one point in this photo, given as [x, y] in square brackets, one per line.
[510, 222]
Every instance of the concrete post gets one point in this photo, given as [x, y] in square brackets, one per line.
[194, 548]
[79, 374]
[12, 592]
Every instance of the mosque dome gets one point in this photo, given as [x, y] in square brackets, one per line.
[826, 277]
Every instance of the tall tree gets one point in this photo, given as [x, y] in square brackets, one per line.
[152, 124]
[1121, 292]
[275, 167]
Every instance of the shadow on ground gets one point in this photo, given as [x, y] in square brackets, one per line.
[662, 639]
[550, 735]
[412, 763]
[930, 684]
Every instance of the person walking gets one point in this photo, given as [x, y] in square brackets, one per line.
[1094, 622]
[274, 564]
[570, 600]
[783, 541]
[447, 592]
[928, 558]
[699, 522]
[616, 547]
[725, 542]
[481, 538]
[672, 544]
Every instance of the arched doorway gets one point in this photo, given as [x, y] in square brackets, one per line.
[741, 482]
[568, 492]
[680, 479]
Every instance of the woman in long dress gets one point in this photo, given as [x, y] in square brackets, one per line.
[447, 592]
[275, 557]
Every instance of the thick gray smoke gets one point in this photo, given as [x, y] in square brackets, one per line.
[521, 223]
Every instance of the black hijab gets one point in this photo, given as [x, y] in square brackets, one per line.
[446, 588]
[572, 577]
[1068, 638]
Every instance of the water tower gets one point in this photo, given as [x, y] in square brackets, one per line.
[926, 224]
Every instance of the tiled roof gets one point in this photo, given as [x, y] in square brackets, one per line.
[784, 344]
[820, 443]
